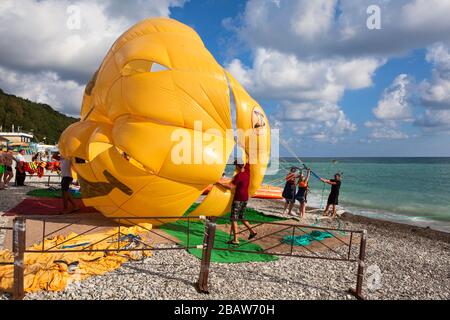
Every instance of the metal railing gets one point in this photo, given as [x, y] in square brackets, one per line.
[291, 229]
[18, 258]
[19, 242]
[48, 181]
[6, 263]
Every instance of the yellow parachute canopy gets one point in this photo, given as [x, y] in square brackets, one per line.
[155, 126]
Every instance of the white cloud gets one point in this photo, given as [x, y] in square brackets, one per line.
[393, 108]
[398, 101]
[395, 105]
[36, 42]
[140, 9]
[437, 120]
[425, 17]
[387, 134]
[307, 54]
[283, 76]
[385, 130]
[436, 93]
[324, 28]
[322, 122]
[312, 18]
[44, 87]
[34, 37]
[309, 91]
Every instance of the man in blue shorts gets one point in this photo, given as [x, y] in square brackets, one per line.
[240, 184]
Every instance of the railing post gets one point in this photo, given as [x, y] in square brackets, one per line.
[361, 268]
[19, 229]
[208, 244]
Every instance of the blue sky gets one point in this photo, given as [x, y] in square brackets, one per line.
[333, 86]
[207, 19]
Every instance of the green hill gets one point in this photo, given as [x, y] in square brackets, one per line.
[40, 119]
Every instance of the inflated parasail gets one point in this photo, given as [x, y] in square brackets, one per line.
[157, 88]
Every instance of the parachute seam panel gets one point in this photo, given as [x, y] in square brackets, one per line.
[145, 33]
[231, 95]
[224, 126]
[197, 104]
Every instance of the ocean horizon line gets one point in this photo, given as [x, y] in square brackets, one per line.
[368, 157]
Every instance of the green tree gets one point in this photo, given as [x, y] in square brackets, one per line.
[40, 119]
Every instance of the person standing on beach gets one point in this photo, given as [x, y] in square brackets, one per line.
[240, 184]
[333, 198]
[2, 169]
[302, 192]
[20, 170]
[66, 173]
[8, 158]
[289, 191]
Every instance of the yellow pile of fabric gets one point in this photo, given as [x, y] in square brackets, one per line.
[54, 271]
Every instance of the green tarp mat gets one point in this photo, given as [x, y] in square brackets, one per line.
[306, 239]
[179, 230]
[50, 193]
[251, 214]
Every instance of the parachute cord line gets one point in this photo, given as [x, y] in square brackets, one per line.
[291, 151]
[322, 197]
[233, 106]
[297, 158]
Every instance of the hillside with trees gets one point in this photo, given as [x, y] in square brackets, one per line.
[39, 119]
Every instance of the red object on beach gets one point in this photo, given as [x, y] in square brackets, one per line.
[264, 192]
[38, 167]
[208, 188]
[43, 206]
[268, 192]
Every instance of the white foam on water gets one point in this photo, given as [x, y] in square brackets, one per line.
[386, 188]
[315, 201]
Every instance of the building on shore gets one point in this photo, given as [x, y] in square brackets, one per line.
[3, 142]
[17, 137]
[22, 140]
[16, 140]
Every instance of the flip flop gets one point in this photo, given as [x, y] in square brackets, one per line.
[232, 243]
[252, 235]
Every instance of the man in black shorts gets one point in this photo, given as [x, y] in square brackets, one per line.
[333, 198]
[240, 183]
[2, 169]
[66, 173]
[20, 168]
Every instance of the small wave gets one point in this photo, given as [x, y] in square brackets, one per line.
[433, 222]
[421, 221]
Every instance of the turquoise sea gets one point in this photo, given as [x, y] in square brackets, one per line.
[408, 190]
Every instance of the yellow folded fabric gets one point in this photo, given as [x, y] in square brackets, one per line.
[54, 271]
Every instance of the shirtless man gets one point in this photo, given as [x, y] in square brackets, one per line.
[8, 158]
[2, 169]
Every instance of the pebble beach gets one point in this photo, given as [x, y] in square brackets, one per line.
[413, 263]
